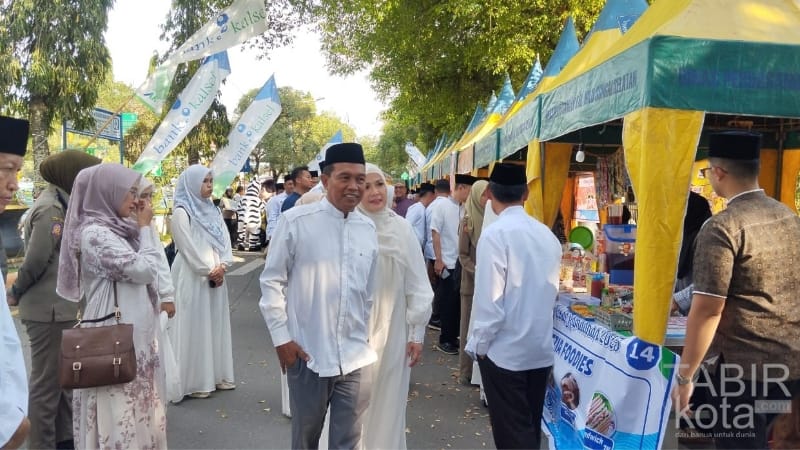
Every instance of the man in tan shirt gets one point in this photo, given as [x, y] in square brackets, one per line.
[744, 305]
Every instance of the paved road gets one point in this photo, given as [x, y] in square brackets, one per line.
[441, 413]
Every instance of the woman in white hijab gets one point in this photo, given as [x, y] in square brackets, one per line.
[201, 332]
[400, 313]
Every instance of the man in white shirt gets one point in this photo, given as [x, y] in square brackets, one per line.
[274, 209]
[416, 212]
[14, 424]
[516, 283]
[444, 222]
[317, 288]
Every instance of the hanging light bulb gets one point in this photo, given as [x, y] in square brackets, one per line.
[580, 156]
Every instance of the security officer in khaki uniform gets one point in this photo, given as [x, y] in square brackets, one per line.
[43, 312]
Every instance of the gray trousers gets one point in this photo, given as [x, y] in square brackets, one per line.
[309, 396]
[49, 406]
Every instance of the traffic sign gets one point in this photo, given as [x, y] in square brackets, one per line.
[112, 130]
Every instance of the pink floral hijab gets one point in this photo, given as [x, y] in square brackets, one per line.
[96, 195]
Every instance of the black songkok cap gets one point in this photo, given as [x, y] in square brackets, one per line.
[425, 187]
[741, 145]
[348, 152]
[506, 174]
[469, 180]
[13, 135]
[314, 173]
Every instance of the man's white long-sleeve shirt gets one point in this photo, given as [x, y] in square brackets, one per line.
[516, 284]
[317, 286]
[416, 217]
[13, 377]
[273, 212]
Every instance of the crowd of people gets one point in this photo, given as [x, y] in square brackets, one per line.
[339, 245]
[356, 270]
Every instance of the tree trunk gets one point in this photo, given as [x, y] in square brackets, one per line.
[40, 126]
[193, 155]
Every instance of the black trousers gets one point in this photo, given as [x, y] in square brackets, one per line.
[434, 280]
[233, 230]
[515, 402]
[447, 294]
[739, 418]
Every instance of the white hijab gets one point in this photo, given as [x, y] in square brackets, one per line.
[201, 210]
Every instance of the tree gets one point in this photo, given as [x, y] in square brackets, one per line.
[435, 60]
[185, 18]
[390, 154]
[298, 133]
[53, 57]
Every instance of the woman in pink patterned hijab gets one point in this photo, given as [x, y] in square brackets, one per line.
[96, 196]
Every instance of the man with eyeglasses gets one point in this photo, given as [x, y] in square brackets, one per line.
[744, 303]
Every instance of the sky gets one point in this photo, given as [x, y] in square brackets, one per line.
[132, 37]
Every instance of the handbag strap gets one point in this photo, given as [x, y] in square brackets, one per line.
[116, 314]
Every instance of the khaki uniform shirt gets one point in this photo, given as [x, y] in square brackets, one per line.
[749, 256]
[35, 287]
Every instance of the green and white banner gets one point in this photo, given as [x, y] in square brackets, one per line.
[186, 112]
[233, 25]
[245, 135]
[153, 93]
[610, 91]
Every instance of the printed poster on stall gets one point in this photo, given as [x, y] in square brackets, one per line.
[607, 391]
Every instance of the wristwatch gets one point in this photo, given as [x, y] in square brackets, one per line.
[683, 380]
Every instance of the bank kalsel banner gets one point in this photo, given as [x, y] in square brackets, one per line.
[186, 112]
[233, 25]
[245, 135]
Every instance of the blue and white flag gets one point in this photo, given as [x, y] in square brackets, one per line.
[233, 25]
[186, 112]
[245, 135]
[313, 165]
[416, 156]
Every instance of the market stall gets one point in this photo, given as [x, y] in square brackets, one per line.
[662, 76]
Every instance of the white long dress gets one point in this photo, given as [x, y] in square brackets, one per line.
[131, 415]
[400, 313]
[200, 332]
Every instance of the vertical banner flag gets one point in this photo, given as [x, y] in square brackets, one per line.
[233, 25]
[417, 158]
[186, 112]
[153, 93]
[314, 163]
[245, 135]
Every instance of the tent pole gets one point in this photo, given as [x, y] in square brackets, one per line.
[779, 164]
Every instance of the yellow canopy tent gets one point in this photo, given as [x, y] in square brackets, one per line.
[671, 68]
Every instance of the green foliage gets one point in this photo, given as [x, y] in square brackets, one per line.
[435, 60]
[390, 149]
[53, 52]
[298, 133]
[52, 59]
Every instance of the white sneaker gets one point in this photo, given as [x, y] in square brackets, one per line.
[226, 386]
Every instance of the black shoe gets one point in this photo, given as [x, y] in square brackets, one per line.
[447, 347]
[435, 325]
[65, 445]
